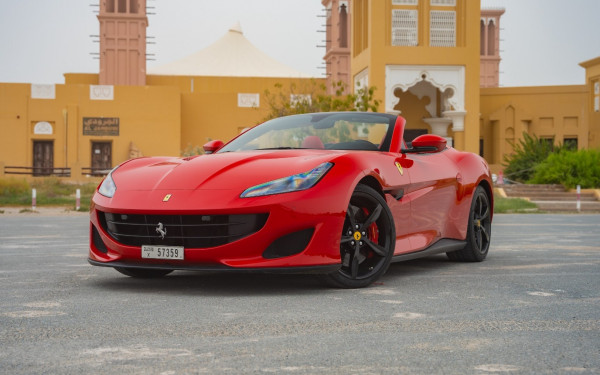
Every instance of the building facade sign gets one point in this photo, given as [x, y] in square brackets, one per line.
[43, 91]
[102, 92]
[100, 126]
[248, 100]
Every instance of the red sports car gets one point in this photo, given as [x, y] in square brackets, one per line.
[336, 194]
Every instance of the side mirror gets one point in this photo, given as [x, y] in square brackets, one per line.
[427, 143]
[212, 146]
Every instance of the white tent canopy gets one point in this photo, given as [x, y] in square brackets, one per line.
[231, 56]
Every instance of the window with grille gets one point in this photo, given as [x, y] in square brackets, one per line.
[404, 27]
[443, 28]
[570, 143]
[443, 3]
[405, 2]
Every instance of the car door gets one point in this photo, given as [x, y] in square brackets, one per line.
[432, 194]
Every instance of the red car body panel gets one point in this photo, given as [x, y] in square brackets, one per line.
[429, 195]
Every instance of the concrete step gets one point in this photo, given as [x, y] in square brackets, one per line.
[553, 197]
[528, 188]
[561, 206]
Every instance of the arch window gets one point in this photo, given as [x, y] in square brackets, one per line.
[482, 38]
[133, 6]
[491, 38]
[110, 6]
[343, 24]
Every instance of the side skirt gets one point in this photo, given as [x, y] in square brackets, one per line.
[444, 245]
[326, 269]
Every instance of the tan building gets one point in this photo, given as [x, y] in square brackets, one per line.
[424, 63]
[435, 62]
[592, 105]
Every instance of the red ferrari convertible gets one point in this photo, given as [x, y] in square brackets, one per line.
[335, 194]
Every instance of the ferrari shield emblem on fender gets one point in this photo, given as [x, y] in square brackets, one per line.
[167, 197]
[400, 168]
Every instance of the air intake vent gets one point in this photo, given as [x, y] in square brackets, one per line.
[189, 231]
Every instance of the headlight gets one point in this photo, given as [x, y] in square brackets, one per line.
[297, 182]
[108, 186]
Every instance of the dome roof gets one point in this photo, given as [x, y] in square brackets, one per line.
[231, 56]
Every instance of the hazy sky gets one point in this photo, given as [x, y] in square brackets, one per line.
[543, 41]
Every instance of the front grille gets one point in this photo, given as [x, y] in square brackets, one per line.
[189, 231]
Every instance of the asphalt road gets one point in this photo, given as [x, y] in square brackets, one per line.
[532, 307]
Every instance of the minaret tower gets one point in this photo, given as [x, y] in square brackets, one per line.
[337, 54]
[490, 47]
[123, 26]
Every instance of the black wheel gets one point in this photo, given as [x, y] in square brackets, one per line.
[143, 273]
[368, 240]
[479, 231]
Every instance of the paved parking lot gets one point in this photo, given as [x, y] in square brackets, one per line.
[532, 307]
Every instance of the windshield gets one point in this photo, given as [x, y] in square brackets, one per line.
[331, 131]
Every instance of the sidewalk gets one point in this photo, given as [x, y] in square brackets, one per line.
[41, 211]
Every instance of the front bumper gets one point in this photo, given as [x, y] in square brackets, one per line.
[288, 214]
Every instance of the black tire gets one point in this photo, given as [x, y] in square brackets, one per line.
[143, 273]
[479, 230]
[368, 240]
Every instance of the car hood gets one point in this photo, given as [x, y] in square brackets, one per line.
[233, 170]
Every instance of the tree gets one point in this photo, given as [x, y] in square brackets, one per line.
[314, 98]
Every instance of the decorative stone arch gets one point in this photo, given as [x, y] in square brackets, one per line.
[450, 80]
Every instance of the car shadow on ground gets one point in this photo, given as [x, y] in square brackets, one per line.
[244, 284]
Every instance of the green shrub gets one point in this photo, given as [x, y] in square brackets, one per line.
[528, 153]
[570, 168]
[13, 186]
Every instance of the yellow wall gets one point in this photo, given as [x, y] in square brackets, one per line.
[149, 117]
[14, 122]
[209, 105]
[548, 112]
[165, 117]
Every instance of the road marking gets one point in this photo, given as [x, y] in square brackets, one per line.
[33, 314]
[541, 294]
[408, 315]
[393, 302]
[498, 368]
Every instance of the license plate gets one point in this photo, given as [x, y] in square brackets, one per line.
[162, 252]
